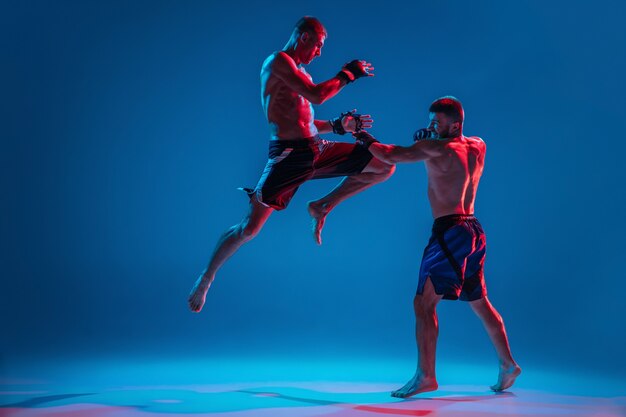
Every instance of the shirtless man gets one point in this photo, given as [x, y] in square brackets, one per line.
[452, 264]
[296, 152]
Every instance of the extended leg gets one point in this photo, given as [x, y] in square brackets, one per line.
[426, 333]
[227, 245]
[509, 370]
[376, 171]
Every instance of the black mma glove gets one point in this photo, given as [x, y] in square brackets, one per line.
[337, 122]
[352, 70]
[424, 134]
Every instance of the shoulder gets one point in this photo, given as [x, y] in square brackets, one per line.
[280, 64]
[281, 58]
[277, 57]
[476, 146]
[475, 141]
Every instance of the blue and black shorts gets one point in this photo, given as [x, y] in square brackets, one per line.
[454, 258]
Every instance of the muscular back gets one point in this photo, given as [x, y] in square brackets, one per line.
[454, 174]
[288, 113]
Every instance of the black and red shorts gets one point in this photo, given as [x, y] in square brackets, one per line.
[294, 161]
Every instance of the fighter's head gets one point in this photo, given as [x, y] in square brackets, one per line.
[446, 117]
[307, 39]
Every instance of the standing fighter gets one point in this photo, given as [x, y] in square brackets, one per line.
[452, 264]
[296, 152]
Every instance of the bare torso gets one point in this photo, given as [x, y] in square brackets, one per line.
[289, 115]
[454, 176]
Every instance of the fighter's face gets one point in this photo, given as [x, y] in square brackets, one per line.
[312, 44]
[443, 125]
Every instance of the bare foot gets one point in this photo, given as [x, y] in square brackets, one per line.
[197, 296]
[318, 214]
[506, 378]
[416, 385]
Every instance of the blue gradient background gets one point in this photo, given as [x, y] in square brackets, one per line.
[127, 127]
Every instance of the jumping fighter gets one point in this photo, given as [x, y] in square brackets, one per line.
[296, 151]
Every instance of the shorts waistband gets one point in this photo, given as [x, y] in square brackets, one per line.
[455, 216]
[445, 222]
[294, 143]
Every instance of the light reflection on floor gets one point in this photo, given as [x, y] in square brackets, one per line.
[272, 387]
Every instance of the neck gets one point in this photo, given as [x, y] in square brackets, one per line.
[290, 49]
[455, 135]
[452, 136]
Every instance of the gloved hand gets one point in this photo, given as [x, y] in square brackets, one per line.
[424, 134]
[350, 122]
[356, 69]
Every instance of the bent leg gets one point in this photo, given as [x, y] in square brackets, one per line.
[226, 246]
[426, 333]
[491, 319]
[374, 172]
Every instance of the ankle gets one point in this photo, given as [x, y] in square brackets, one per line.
[425, 376]
[509, 364]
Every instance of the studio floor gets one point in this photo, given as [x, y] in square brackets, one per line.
[279, 387]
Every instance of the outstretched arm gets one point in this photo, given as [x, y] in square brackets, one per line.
[392, 154]
[285, 68]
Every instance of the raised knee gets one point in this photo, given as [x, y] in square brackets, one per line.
[386, 171]
[390, 169]
[382, 173]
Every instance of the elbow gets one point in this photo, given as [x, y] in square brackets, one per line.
[319, 95]
[317, 98]
[323, 97]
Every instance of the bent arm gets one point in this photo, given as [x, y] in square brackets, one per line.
[323, 126]
[419, 151]
[285, 68]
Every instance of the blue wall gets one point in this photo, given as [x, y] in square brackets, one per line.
[127, 127]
